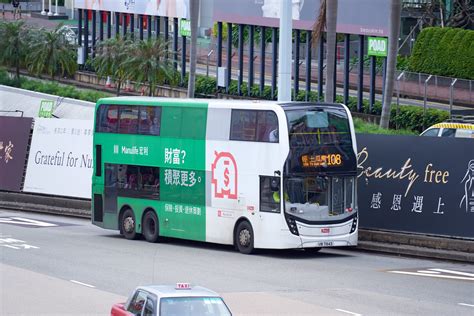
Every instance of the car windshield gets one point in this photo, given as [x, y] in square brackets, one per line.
[195, 306]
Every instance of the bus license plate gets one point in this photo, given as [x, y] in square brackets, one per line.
[325, 244]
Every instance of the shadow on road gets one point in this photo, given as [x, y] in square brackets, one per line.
[270, 253]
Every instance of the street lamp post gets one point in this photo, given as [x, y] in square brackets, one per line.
[50, 12]
[284, 54]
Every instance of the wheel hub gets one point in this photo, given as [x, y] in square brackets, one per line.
[244, 238]
[129, 225]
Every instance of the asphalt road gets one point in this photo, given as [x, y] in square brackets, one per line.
[58, 265]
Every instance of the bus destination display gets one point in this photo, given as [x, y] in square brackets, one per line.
[327, 160]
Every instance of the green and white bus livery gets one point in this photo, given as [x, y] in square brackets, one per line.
[252, 174]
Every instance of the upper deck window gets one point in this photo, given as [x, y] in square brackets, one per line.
[255, 126]
[107, 119]
[125, 119]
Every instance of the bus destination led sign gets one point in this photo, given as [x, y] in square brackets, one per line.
[329, 160]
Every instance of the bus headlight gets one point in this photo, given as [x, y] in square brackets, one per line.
[354, 224]
[292, 226]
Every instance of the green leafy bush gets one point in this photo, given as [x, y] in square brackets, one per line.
[445, 52]
[53, 88]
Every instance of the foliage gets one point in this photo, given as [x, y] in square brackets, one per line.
[110, 58]
[51, 52]
[147, 63]
[235, 34]
[13, 45]
[445, 52]
[405, 118]
[368, 128]
[53, 88]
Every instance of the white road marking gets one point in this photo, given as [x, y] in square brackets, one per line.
[80, 283]
[433, 275]
[347, 312]
[25, 221]
[464, 304]
[454, 272]
[428, 272]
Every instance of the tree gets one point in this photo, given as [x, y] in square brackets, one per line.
[147, 63]
[395, 16]
[13, 45]
[194, 9]
[110, 59]
[327, 19]
[51, 52]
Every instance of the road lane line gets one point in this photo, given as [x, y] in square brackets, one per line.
[464, 304]
[454, 272]
[428, 272]
[433, 275]
[347, 312]
[80, 283]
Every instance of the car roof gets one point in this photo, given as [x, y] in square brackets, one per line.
[171, 291]
[453, 125]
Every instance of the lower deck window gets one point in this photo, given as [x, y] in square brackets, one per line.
[133, 179]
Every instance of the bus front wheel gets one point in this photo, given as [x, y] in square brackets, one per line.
[128, 224]
[151, 228]
[244, 238]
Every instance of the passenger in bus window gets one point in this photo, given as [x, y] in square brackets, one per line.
[155, 126]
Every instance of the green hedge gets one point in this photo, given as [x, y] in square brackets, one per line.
[53, 88]
[445, 52]
[408, 118]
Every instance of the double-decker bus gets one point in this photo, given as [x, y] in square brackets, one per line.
[245, 173]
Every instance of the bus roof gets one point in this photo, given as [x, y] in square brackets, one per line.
[213, 103]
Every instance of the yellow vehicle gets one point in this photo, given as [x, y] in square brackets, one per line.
[460, 125]
[450, 129]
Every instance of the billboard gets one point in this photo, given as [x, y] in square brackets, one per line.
[60, 159]
[169, 8]
[14, 136]
[416, 184]
[366, 17]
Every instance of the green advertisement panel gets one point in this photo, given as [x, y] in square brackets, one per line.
[152, 151]
[184, 186]
[178, 220]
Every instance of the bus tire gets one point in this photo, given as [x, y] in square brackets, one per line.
[151, 226]
[128, 224]
[244, 238]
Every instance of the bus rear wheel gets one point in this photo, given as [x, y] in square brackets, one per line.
[128, 224]
[244, 238]
[151, 226]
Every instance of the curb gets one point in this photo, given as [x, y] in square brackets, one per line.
[395, 243]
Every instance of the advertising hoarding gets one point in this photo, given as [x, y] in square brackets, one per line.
[366, 17]
[169, 8]
[416, 184]
[60, 159]
[14, 136]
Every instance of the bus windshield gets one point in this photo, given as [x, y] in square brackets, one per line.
[318, 126]
[319, 176]
[318, 198]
